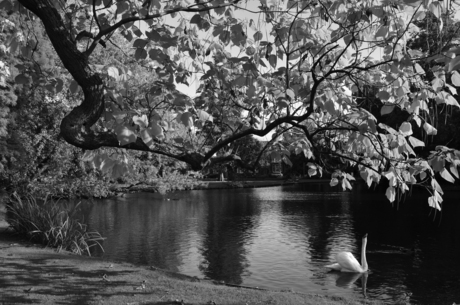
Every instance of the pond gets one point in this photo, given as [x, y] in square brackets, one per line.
[282, 237]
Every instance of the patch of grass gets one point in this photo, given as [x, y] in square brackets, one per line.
[50, 222]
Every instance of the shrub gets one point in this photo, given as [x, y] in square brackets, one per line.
[174, 181]
[51, 222]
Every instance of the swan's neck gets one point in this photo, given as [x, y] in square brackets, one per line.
[363, 255]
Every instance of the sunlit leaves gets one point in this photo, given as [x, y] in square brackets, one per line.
[455, 78]
[429, 129]
[314, 169]
[339, 177]
[331, 73]
[141, 121]
[419, 69]
[204, 116]
[436, 8]
[390, 193]
[416, 142]
[405, 129]
[125, 134]
[446, 175]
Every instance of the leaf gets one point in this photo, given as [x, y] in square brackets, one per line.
[147, 138]
[435, 8]
[419, 69]
[181, 100]
[240, 81]
[156, 131]
[453, 170]
[390, 193]
[119, 170]
[433, 202]
[430, 130]
[141, 121]
[329, 106]
[272, 60]
[204, 116]
[158, 55]
[346, 184]
[122, 6]
[382, 31]
[435, 185]
[257, 36]
[140, 43]
[107, 165]
[125, 134]
[291, 94]
[383, 95]
[196, 19]
[113, 72]
[21, 79]
[413, 3]
[187, 119]
[447, 176]
[437, 84]
[416, 142]
[250, 50]
[59, 85]
[455, 78]
[251, 91]
[454, 64]
[287, 161]
[366, 175]
[387, 109]
[140, 54]
[334, 182]
[422, 175]
[73, 86]
[88, 156]
[153, 35]
[406, 129]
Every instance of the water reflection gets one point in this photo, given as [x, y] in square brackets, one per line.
[224, 259]
[281, 238]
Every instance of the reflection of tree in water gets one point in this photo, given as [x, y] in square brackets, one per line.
[146, 230]
[325, 215]
[230, 222]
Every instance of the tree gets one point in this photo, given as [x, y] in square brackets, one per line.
[292, 69]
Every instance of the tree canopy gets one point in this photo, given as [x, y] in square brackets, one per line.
[299, 72]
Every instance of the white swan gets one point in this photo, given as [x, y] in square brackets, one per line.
[346, 262]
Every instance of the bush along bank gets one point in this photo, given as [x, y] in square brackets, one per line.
[51, 222]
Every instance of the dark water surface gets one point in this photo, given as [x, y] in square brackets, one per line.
[281, 238]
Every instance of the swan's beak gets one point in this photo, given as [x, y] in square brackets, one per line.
[365, 235]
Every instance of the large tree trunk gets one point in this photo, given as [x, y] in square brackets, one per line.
[75, 126]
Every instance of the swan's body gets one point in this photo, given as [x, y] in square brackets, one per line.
[346, 262]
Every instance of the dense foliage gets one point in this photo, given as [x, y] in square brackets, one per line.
[297, 71]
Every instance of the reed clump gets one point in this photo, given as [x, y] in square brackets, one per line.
[51, 222]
